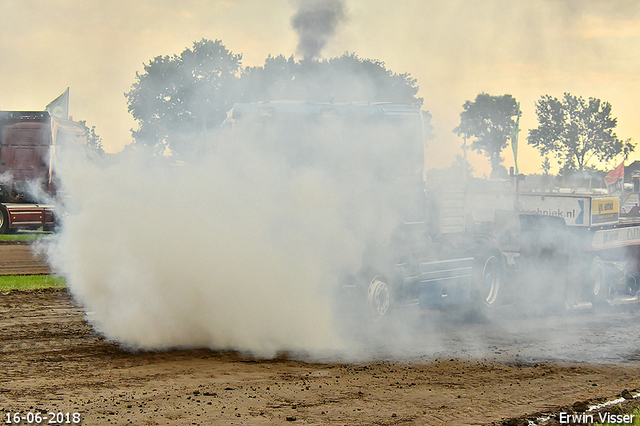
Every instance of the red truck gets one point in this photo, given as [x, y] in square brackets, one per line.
[27, 181]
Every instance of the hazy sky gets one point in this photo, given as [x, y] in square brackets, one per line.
[454, 48]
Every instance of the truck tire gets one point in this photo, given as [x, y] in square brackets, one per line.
[378, 298]
[4, 220]
[596, 288]
[487, 294]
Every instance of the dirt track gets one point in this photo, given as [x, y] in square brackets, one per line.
[19, 259]
[53, 361]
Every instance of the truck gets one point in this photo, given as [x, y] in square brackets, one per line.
[27, 153]
[580, 242]
[475, 244]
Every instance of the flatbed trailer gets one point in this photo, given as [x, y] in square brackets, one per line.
[625, 233]
[578, 242]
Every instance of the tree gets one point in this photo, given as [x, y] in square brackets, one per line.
[546, 166]
[462, 167]
[489, 120]
[575, 130]
[180, 98]
[93, 140]
[345, 78]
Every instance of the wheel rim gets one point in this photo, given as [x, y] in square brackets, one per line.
[379, 296]
[597, 285]
[491, 280]
[598, 278]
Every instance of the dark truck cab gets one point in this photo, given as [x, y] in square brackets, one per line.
[26, 138]
[376, 152]
[24, 150]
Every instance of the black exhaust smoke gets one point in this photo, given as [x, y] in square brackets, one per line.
[316, 22]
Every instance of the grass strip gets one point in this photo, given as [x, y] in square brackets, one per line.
[30, 282]
[20, 237]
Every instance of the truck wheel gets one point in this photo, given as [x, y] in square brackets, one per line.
[595, 290]
[491, 277]
[378, 297]
[488, 286]
[4, 220]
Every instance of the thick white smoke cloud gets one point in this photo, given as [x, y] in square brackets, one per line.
[243, 249]
[226, 253]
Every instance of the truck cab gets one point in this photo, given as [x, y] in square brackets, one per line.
[28, 144]
[25, 139]
[375, 152]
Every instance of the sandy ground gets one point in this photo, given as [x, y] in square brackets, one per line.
[18, 258]
[52, 361]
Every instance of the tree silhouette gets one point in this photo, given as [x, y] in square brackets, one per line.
[575, 130]
[345, 78]
[489, 121]
[180, 98]
[180, 101]
[94, 141]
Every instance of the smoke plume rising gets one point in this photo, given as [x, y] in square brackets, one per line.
[246, 249]
[316, 22]
[241, 250]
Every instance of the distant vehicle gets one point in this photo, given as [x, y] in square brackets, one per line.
[27, 152]
[630, 202]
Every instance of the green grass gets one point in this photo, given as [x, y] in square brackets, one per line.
[26, 235]
[30, 282]
[20, 237]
